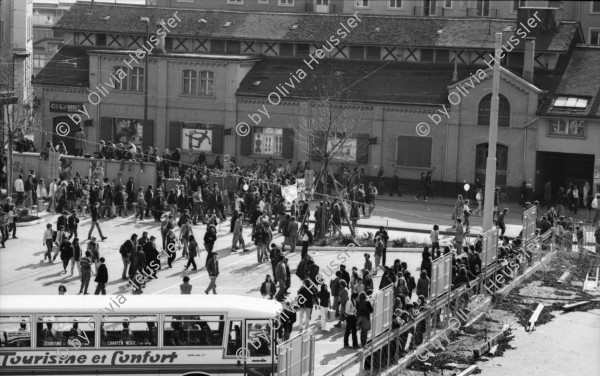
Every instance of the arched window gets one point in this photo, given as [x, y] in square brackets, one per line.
[485, 106]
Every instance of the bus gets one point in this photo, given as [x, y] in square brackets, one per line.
[198, 335]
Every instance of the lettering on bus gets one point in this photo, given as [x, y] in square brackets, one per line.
[107, 358]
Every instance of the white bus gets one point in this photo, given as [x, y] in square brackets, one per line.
[197, 335]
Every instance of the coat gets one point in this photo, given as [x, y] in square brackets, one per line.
[102, 275]
[272, 289]
[280, 274]
[293, 229]
[213, 268]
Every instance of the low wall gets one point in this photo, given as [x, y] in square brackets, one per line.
[69, 165]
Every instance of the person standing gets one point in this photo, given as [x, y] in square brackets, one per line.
[363, 313]
[152, 260]
[479, 198]
[171, 247]
[305, 301]
[141, 204]
[126, 251]
[501, 223]
[292, 231]
[209, 241]
[185, 287]
[395, 185]
[459, 234]
[86, 272]
[73, 224]
[307, 239]
[11, 210]
[94, 248]
[422, 187]
[19, 187]
[184, 236]
[423, 284]
[435, 239]
[95, 223]
[382, 233]
[80, 143]
[334, 285]
[268, 287]
[351, 320]
[213, 273]
[281, 277]
[324, 303]
[101, 278]
[467, 215]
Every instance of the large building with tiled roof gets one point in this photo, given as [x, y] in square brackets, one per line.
[214, 69]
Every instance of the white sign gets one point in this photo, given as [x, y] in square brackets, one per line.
[290, 192]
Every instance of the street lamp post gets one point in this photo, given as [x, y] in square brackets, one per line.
[490, 170]
[147, 21]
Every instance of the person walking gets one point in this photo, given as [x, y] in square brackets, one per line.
[479, 199]
[307, 239]
[94, 249]
[95, 217]
[324, 304]
[209, 241]
[281, 278]
[237, 233]
[66, 253]
[184, 236]
[382, 233]
[86, 273]
[351, 321]
[185, 287]
[192, 253]
[363, 313]
[171, 247]
[213, 273]
[47, 241]
[101, 278]
[77, 256]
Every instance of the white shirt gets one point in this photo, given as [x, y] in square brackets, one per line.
[19, 186]
[434, 236]
[350, 308]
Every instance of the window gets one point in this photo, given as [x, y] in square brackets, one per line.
[238, 2]
[567, 127]
[39, 61]
[322, 3]
[268, 141]
[234, 339]
[427, 55]
[413, 151]
[429, 7]
[217, 46]
[373, 53]
[259, 338]
[357, 52]
[481, 154]
[66, 331]
[286, 49]
[594, 36]
[263, 1]
[286, 3]
[123, 331]
[137, 79]
[233, 47]
[100, 39]
[15, 331]
[122, 83]
[302, 49]
[193, 331]
[442, 56]
[570, 103]
[190, 82]
[595, 6]
[395, 4]
[362, 3]
[503, 111]
[448, 4]
[483, 8]
[207, 81]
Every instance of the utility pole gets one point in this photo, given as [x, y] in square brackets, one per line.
[8, 101]
[147, 21]
[490, 170]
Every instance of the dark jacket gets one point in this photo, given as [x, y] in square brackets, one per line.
[102, 275]
[307, 302]
[66, 250]
[213, 268]
[263, 289]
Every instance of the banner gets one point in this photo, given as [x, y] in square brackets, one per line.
[196, 140]
[289, 192]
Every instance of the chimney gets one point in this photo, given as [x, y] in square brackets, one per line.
[528, 61]
[160, 47]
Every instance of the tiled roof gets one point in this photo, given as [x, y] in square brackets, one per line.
[476, 33]
[384, 82]
[69, 67]
[580, 79]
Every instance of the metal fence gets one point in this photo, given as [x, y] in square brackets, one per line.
[295, 357]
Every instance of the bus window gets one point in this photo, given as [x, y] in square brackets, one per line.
[234, 341]
[259, 337]
[66, 331]
[118, 331]
[193, 330]
[15, 331]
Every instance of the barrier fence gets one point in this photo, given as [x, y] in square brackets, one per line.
[295, 357]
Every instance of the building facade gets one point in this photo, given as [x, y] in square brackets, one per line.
[214, 70]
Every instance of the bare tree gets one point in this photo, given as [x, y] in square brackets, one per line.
[332, 131]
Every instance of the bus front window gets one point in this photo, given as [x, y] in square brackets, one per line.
[259, 338]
